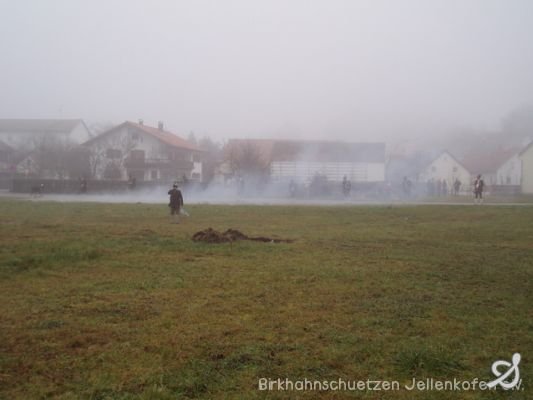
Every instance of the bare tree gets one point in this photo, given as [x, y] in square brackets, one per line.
[108, 157]
[246, 158]
[211, 158]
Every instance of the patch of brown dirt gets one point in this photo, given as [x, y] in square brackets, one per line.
[209, 235]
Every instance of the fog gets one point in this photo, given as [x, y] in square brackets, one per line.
[347, 70]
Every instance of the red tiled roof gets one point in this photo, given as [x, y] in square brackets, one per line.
[162, 135]
[479, 163]
[165, 136]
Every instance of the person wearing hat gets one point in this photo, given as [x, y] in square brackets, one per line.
[176, 202]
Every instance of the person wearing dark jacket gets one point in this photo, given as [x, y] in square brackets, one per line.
[176, 202]
[479, 185]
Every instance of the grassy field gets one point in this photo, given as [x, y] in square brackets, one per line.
[112, 301]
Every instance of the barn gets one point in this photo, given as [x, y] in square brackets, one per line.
[303, 160]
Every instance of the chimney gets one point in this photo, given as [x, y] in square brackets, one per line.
[160, 125]
[141, 122]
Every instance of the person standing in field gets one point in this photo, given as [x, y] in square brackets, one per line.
[479, 185]
[292, 188]
[346, 186]
[83, 185]
[456, 186]
[176, 202]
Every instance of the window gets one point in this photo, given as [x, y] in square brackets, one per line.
[196, 157]
[113, 153]
[433, 169]
[135, 136]
[154, 174]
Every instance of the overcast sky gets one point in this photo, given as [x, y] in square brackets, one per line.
[351, 70]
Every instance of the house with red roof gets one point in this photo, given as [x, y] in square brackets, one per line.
[499, 166]
[144, 153]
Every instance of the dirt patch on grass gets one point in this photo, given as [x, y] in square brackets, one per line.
[210, 235]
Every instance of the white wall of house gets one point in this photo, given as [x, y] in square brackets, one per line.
[527, 169]
[510, 172]
[304, 171]
[114, 147]
[446, 167]
[123, 141]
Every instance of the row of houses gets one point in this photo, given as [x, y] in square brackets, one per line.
[511, 168]
[64, 149]
[57, 149]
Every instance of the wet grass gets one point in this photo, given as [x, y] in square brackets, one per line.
[112, 301]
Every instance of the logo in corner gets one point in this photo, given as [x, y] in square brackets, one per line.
[501, 377]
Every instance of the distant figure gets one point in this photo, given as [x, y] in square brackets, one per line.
[132, 183]
[37, 191]
[407, 186]
[176, 202]
[83, 185]
[292, 188]
[456, 186]
[431, 188]
[346, 186]
[444, 187]
[438, 188]
[240, 185]
[479, 185]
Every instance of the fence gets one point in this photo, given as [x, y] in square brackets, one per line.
[74, 186]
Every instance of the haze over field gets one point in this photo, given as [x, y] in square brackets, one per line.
[349, 70]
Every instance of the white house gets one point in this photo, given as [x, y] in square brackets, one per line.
[135, 150]
[26, 135]
[526, 157]
[509, 172]
[446, 167]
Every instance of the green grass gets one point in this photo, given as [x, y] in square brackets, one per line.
[112, 301]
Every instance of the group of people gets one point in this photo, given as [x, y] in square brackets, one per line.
[437, 187]
[318, 185]
[440, 188]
